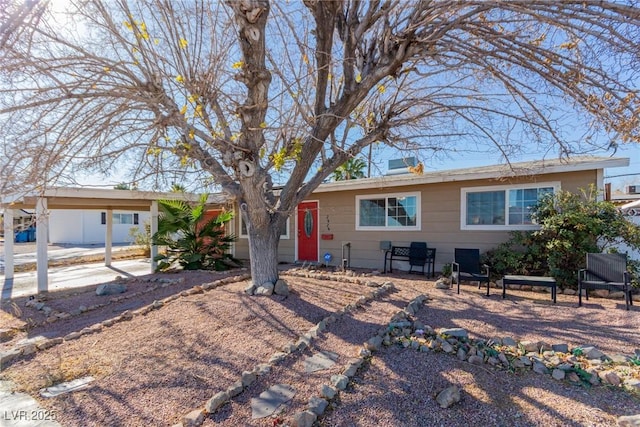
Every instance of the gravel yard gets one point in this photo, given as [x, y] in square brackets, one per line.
[163, 363]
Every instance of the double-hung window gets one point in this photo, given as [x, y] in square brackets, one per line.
[388, 212]
[505, 207]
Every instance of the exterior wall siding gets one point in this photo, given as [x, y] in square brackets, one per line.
[440, 205]
[84, 227]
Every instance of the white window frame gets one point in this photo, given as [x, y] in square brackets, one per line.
[386, 196]
[506, 188]
[120, 215]
[285, 236]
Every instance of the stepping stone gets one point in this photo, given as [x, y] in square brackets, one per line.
[68, 387]
[320, 361]
[269, 400]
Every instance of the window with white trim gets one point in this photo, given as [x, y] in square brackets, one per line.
[284, 233]
[121, 218]
[504, 207]
[388, 212]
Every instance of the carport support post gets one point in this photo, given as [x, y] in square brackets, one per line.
[108, 239]
[154, 230]
[42, 237]
[8, 243]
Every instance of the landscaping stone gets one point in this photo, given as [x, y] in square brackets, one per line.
[304, 419]
[454, 332]
[7, 356]
[110, 289]
[476, 360]
[216, 401]
[590, 352]
[328, 391]
[67, 387]
[193, 418]
[374, 343]
[558, 374]
[540, 368]
[317, 405]
[5, 334]
[629, 421]
[508, 341]
[281, 288]
[448, 397]
[248, 378]
[235, 389]
[340, 381]
[269, 400]
[560, 348]
[265, 289]
[320, 361]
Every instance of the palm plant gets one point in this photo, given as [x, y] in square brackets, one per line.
[351, 169]
[193, 241]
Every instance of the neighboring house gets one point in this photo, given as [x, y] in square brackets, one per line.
[629, 204]
[467, 208]
[89, 226]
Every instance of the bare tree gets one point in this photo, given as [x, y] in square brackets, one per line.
[269, 99]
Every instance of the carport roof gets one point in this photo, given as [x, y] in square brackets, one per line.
[100, 198]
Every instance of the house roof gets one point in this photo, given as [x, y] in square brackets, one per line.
[519, 169]
[99, 198]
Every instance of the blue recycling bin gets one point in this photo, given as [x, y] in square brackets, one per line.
[31, 231]
[22, 236]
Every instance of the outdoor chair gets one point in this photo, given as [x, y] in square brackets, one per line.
[466, 266]
[605, 271]
[420, 255]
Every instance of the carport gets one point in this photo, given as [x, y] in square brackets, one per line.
[83, 198]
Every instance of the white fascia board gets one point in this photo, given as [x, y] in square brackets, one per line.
[486, 172]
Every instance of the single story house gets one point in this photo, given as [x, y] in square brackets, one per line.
[466, 208]
[88, 226]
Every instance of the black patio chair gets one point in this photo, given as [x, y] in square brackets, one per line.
[466, 266]
[605, 271]
[420, 255]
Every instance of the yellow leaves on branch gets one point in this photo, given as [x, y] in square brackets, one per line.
[381, 89]
[179, 78]
[237, 65]
[417, 170]
[154, 151]
[183, 43]
[290, 152]
[138, 27]
[183, 110]
[358, 78]
[569, 45]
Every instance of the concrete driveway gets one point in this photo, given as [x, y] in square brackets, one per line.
[72, 276]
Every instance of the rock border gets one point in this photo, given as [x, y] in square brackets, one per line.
[317, 405]
[40, 343]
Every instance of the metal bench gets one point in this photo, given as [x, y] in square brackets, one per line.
[548, 282]
[605, 271]
[418, 255]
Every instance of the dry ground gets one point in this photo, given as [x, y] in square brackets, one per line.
[157, 367]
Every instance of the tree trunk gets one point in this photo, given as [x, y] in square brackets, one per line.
[263, 253]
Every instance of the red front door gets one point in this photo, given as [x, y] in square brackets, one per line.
[308, 231]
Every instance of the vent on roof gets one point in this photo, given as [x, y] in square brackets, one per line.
[399, 166]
